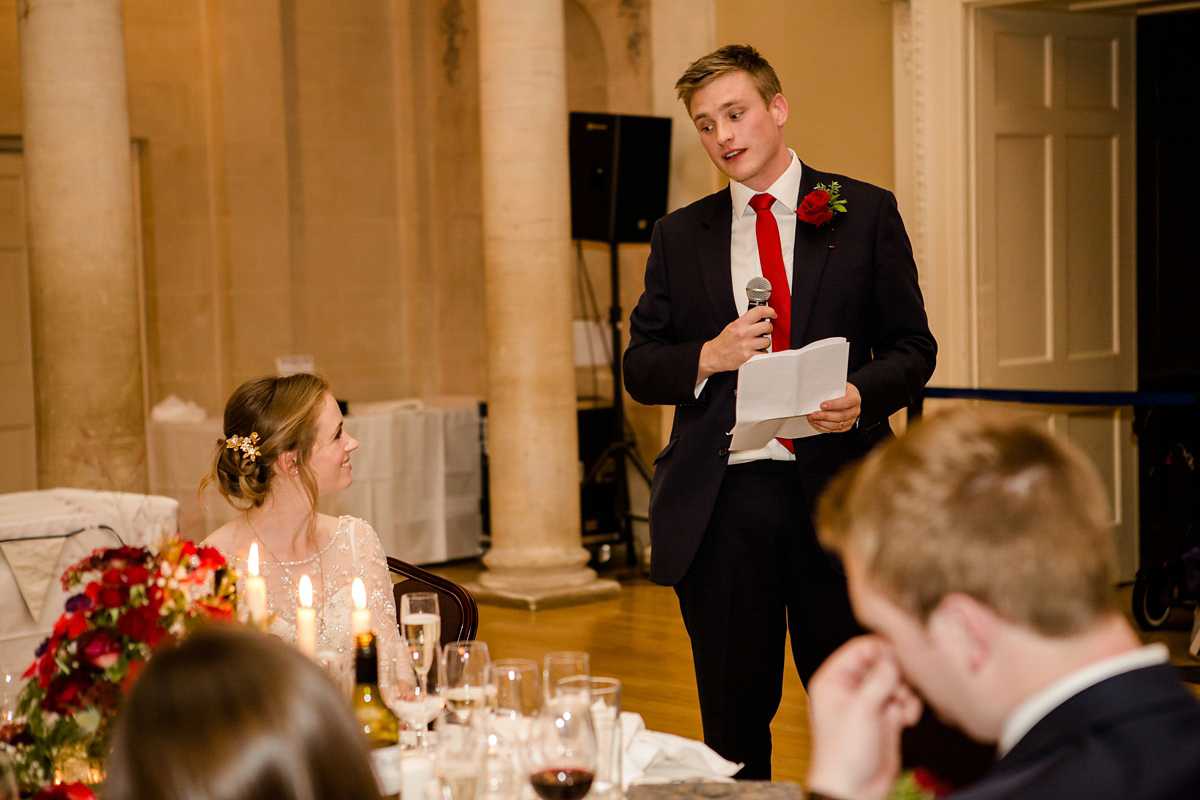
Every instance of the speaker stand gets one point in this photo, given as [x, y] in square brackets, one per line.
[621, 449]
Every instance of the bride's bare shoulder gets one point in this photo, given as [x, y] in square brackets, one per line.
[229, 538]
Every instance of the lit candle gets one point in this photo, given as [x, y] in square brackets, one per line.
[361, 621]
[306, 620]
[256, 589]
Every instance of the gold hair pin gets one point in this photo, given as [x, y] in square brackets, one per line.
[247, 444]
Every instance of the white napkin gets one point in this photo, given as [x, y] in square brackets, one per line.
[654, 757]
[175, 409]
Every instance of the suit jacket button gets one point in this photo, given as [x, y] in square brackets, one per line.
[724, 451]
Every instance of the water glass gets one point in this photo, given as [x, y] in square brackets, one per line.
[464, 677]
[605, 707]
[563, 664]
[462, 753]
[340, 667]
[514, 688]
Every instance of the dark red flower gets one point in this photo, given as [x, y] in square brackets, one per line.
[929, 782]
[814, 208]
[63, 693]
[113, 597]
[45, 669]
[135, 575]
[111, 577]
[141, 624]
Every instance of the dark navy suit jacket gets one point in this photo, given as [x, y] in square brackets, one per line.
[1135, 736]
[853, 276]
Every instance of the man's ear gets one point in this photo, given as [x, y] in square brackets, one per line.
[965, 630]
[779, 109]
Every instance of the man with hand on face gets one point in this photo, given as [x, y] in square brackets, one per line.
[732, 531]
[979, 550]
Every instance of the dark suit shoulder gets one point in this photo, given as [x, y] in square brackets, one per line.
[1135, 736]
[706, 209]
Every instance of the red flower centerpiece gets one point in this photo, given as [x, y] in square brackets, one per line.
[133, 600]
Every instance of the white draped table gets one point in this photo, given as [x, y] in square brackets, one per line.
[42, 533]
[417, 476]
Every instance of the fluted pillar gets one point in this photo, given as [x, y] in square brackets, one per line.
[537, 559]
[82, 269]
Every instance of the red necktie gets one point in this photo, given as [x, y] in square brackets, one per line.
[770, 258]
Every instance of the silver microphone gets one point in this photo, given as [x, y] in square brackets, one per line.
[758, 292]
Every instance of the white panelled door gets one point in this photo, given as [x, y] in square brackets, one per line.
[18, 443]
[1055, 224]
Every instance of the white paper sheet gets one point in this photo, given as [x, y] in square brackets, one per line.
[777, 391]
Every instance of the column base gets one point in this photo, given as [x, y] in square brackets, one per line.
[552, 597]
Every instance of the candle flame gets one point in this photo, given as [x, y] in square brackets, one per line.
[359, 593]
[305, 591]
[252, 560]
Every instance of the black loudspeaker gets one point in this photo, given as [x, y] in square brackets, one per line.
[620, 165]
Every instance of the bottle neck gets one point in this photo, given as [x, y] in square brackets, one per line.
[366, 660]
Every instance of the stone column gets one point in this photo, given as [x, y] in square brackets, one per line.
[82, 262]
[536, 560]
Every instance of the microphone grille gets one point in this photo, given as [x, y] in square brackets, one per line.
[758, 290]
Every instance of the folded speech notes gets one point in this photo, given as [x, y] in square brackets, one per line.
[777, 391]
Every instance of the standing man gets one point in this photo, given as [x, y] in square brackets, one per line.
[733, 532]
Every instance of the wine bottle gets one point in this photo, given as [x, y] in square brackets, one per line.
[377, 720]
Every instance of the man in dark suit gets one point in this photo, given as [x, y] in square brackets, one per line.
[732, 532]
[979, 550]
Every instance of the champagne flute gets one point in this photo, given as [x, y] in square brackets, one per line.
[416, 697]
[421, 621]
[514, 688]
[464, 670]
[562, 750]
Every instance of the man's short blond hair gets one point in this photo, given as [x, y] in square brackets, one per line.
[988, 506]
[730, 58]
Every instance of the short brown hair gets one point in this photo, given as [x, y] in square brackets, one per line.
[988, 506]
[730, 58]
[283, 412]
[235, 714]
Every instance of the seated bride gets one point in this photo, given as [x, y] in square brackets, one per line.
[284, 449]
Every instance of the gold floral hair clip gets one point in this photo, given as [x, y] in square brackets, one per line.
[247, 444]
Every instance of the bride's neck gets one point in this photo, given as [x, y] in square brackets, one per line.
[285, 523]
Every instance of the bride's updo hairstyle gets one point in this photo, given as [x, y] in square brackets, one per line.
[263, 418]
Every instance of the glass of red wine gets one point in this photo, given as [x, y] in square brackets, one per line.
[562, 750]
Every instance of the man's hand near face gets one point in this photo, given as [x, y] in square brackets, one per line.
[859, 704]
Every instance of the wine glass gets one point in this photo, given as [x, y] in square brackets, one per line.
[416, 696]
[514, 689]
[561, 665]
[562, 750]
[421, 621]
[464, 670]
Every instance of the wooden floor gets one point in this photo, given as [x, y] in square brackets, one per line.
[640, 639]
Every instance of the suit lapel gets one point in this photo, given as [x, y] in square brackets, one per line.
[808, 259]
[712, 248]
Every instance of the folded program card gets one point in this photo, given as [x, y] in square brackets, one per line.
[777, 391]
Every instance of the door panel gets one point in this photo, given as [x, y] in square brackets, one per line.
[1055, 222]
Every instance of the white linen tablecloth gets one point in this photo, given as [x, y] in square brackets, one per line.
[36, 549]
[417, 476]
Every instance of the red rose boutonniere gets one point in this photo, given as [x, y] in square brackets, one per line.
[819, 205]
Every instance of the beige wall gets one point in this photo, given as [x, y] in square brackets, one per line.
[834, 59]
[311, 175]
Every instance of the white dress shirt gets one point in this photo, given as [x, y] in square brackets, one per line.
[744, 264]
[1036, 707]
